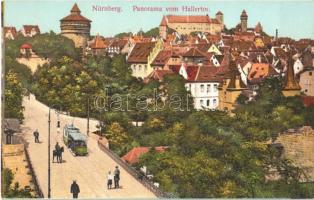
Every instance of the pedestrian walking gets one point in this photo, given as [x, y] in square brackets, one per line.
[109, 180]
[75, 189]
[116, 177]
[57, 151]
[36, 136]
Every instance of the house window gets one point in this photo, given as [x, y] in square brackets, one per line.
[208, 88]
[208, 102]
[145, 68]
[202, 88]
[201, 102]
[139, 67]
[215, 87]
[310, 73]
[215, 102]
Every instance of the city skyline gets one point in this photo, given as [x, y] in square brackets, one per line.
[272, 15]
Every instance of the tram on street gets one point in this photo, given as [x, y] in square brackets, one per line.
[75, 140]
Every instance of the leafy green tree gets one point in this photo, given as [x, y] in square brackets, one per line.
[117, 137]
[13, 97]
[53, 46]
[124, 34]
[154, 32]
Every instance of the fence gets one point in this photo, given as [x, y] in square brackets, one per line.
[34, 177]
[138, 176]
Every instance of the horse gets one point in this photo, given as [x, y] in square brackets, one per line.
[58, 154]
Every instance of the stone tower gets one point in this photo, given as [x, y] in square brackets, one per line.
[163, 28]
[220, 17]
[243, 18]
[76, 27]
[291, 86]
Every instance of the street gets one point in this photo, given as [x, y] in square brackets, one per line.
[90, 171]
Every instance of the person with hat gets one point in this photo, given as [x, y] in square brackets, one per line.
[116, 177]
[75, 189]
[36, 135]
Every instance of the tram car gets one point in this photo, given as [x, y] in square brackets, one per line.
[75, 140]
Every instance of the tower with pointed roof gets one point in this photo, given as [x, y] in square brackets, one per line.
[220, 17]
[76, 27]
[230, 88]
[291, 86]
[243, 18]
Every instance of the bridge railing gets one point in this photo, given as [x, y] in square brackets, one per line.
[135, 173]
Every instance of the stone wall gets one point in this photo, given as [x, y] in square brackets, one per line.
[13, 157]
[299, 147]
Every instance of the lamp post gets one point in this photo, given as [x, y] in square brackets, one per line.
[88, 109]
[49, 171]
[49, 168]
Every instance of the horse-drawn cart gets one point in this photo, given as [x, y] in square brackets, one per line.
[75, 140]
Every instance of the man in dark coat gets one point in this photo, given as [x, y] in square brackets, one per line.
[58, 149]
[36, 135]
[116, 177]
[75, 189]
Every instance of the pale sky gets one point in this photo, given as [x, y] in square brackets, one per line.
[292, 18]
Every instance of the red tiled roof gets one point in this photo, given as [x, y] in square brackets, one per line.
[75, 8]
[158, 74]
[29, 28]
[280, 53]
[10, 28]
[120, 43]
[162, 58]
[261, 70]
[191, 71]
[194, 52]
[140, 52]
[134, 155]
[98, 43]
[208, 74]
[26, 46]
[76, 15]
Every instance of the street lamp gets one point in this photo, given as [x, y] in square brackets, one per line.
[58, 123]
[88, 110]
[49, 169]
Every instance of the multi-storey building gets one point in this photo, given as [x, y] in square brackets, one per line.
[186, 24]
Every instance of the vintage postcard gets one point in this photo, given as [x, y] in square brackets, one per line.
[157, 99]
